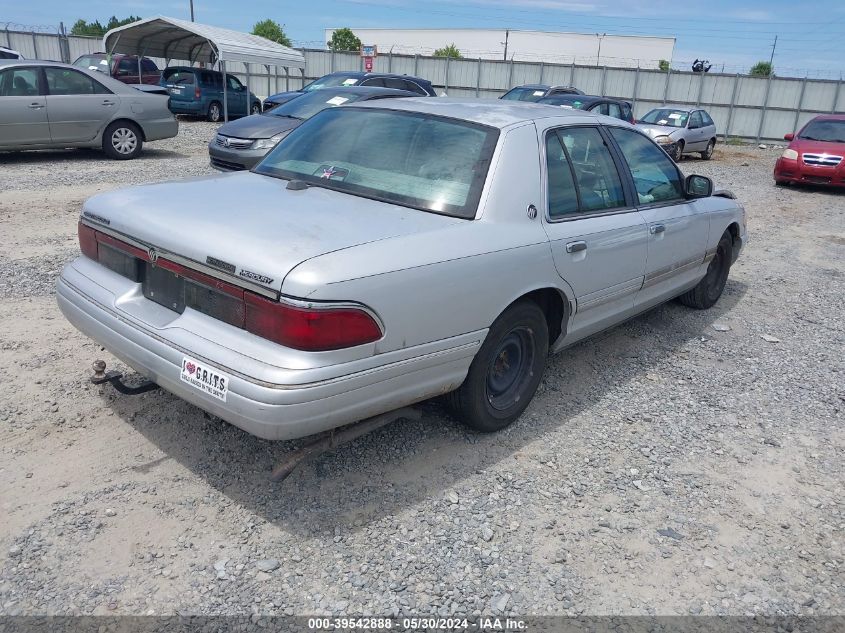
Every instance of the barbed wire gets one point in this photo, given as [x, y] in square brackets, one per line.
[29, 28]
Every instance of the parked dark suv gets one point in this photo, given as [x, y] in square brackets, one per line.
[199, 92]
[599, 105]
[123, 67]
[421, 87]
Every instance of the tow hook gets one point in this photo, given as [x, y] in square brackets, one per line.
[101, 376]
[335, 438]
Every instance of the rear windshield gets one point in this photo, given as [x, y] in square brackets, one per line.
[408, 158]
[667, 117]
[831, 131]
[180, 77]
[308, 105]
[565, 101]
[331, 81]
[93, 62]
[525, 94]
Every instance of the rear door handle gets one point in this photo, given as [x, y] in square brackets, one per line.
[655, 229]
[575, 247]
[36, 106]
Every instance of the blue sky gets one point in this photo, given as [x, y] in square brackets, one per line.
[733, 33]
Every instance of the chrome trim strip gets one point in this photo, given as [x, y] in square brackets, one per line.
[184, 261]
[615, 292]
[661, 274]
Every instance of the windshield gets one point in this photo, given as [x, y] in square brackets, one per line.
[565, 101]
[93, 62]
[407, 158]
[831, 131]
[524, 94]
[667, 117]
[330, 81]
[308, 105]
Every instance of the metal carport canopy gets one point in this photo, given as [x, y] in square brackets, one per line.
[171, 38]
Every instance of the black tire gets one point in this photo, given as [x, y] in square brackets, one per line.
[782, 183]
[497, 389]
[122, 140]
[215, 112]
[707, 154]
[677, 152]
[710, 288]
[256, 108]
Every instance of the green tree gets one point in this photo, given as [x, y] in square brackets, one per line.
[95, 29]
[271, 30]
[762, 69]
[344, 40]
[448, 51]
[663, 65]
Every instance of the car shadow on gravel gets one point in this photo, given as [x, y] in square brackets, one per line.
[399, 466]
[80, 155]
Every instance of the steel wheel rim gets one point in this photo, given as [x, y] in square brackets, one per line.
[709, 151]
[124, 141]
[510, 371]
[255, 109]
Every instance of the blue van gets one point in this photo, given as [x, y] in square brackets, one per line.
[199, 92]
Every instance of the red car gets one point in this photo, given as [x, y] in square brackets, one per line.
[816, 155]
[122, 67]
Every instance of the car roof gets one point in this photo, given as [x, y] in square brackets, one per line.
[491, 112]
[532, 87]
[679, 108]
[365, 91]
[362, 74]
[828, 117]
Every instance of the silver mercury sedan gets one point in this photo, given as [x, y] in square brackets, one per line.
[387, 253]
[51, 105]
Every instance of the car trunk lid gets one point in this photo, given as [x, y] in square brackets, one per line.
[251, 226]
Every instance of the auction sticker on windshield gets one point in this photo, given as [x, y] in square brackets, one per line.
[205, 378]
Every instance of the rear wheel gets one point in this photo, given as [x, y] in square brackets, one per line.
[707, 154]
[256, 108]
[215, 112]
[506, 372]
[782, 183]
[710, 288]
[122, 140]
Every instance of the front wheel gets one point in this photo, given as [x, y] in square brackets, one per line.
[256, 108]
[677, 152]
[710, 288]
[707, 154]
[122, 140]
[506, 372]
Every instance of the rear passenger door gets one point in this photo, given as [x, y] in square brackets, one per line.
[677, 227]
[23, 107]
[598, 238]
[697, 136]
[78, 107]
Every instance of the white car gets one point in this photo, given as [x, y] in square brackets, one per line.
[8, 53]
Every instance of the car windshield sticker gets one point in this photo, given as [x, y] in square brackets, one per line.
[350, 82]
[330, 172]
[539, 93]
[662, 122]
[674, 115]
[337, 100]
[568, 107]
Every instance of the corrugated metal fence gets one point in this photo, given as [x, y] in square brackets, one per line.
[742, 106]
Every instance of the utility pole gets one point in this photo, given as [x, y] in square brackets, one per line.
[507, 34]
[598, 56]
[192, 10]
[772, 57]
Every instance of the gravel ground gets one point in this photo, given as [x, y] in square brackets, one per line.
[683, 463]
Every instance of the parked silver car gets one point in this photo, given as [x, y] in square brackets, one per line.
[681, 130]
[389, 252]
[52, 105]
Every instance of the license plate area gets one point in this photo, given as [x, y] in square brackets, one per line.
[164, 287]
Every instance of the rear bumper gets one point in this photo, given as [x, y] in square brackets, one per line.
[797, 172]
[234, 160]
[158, 129]
[270, 402]
[186, 107]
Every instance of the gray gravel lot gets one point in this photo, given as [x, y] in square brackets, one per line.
[683, 463]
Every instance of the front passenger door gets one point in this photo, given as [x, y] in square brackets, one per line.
[598, 240]
[677, 227]
[23, 108]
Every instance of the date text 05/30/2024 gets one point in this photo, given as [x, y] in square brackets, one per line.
[412, 624]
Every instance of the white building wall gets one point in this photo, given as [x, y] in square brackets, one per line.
[560, 48]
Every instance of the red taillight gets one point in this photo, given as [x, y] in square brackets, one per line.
[197, 93]
[87, 241]
[309, 329]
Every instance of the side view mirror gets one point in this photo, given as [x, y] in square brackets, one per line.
[122, 73]
[698, 186]
[789, 137]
